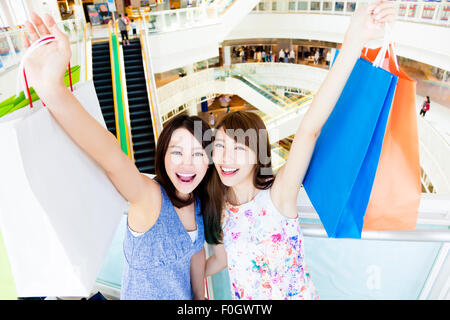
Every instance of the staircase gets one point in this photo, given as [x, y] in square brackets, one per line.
[139, 108]
[101, 69]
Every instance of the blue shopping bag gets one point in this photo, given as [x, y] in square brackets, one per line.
[344, 162]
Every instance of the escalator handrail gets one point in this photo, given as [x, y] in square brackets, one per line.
[148, 75]
[121, 131]
[86, 27]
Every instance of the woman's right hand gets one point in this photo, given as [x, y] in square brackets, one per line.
[46, 66]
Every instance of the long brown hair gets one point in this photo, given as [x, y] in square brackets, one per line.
[188, 123]
[238, 122]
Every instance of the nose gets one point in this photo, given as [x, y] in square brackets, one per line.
[229, 156]
[187, 159]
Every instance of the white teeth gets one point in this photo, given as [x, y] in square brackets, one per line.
[228, 169]
[186, 175]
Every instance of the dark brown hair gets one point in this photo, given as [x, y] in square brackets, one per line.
[188, 123]
[263, 175]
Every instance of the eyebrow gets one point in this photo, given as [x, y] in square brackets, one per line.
[175, 146]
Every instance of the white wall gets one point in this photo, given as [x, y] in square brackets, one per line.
[170, 50]
[174, 49]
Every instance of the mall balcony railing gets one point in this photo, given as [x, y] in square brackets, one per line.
[11, 47]
[239, 72]
[172, 20]
[430, 12]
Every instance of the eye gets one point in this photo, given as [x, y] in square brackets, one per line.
[198, 154]
[239, 148]
[218, 145]
[176, 153]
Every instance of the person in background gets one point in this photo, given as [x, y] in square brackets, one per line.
[425, 107]
[123, 30]
[316, 56]
[328, 57]
[126, 18]
[258, 56]
[281, 56]
[134, 27]
[211, 119]
[292, 56]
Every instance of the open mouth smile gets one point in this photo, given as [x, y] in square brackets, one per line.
[186, 177]
[228, 172]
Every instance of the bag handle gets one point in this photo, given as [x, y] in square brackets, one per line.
[23, 85]
[388, 47]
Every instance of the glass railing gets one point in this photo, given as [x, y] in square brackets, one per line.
[433, 11]
[267, 91]
[169, 107]
[172, 20]
[11, 48]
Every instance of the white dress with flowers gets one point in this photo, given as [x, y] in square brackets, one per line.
[265, 252]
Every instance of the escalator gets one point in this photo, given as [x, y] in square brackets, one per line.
[101, 69]
[139, 108]
[263, 92]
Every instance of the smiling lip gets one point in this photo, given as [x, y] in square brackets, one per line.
[228, 173]
[186, 177]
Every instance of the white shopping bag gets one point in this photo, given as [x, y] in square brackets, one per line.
[59, 211]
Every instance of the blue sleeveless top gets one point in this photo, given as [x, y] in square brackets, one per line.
[157, 263]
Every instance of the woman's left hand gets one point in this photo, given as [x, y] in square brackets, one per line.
[369, 21]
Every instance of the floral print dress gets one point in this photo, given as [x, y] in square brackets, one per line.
[265, 252]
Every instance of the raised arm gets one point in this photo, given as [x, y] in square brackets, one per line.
[45, 70]
[367, 24]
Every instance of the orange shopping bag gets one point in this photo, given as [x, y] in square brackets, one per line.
[396, 191]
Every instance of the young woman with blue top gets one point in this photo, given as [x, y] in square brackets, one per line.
[163, 246]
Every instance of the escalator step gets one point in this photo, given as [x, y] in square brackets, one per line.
[135, 74]
[132, 51]
[139, 114]
[134, 57]
[143, 143]
[101, 70]
[131, 62]
[101, 64]
[137, 86]
[138, 100]
[134, 68]
[149, 169]
[101, 58]
[105, 98]
[143, 136]
[135, 80]
[110, 123]
[137, 94]
[104, 89]
[146, 151]
[140, 121]
[140, 128]
[101, 77]
[103, 82]
[145, 159]
[138, 107]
